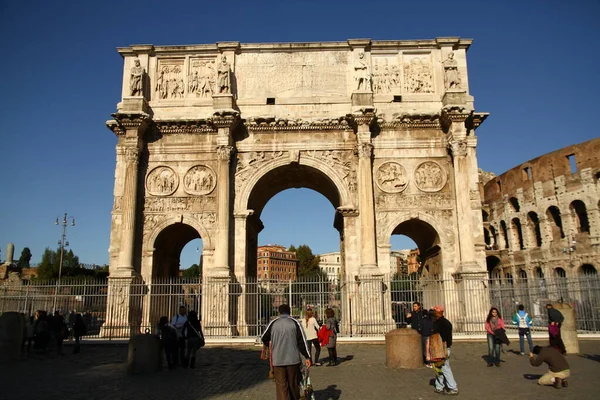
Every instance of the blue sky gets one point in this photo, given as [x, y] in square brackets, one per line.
[534, 66]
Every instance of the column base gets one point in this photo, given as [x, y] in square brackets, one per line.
[133, 104]
[215, 305]
[362, 98]
[223, 101]
[122, 311]
[373, 306]
[454, 97]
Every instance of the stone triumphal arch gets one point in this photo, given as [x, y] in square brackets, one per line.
[207, 134]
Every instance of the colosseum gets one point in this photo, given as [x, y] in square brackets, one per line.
[542, 232]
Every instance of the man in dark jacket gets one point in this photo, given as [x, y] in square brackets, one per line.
[445, 378]
[287, 343]
[419, 320]
[559, 367]
[555, 320]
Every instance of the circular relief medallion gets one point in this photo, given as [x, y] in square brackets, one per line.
[430, 176]
[391, 177]
[162, 181]
[199, 180]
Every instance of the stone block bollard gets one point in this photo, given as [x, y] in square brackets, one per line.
[568, 329]
[144, 354]
[403, 349]
[12, 325]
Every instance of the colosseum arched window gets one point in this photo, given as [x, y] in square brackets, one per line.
[578, 209]
[504, 233]
[517, 234]
[588, 270]
[494, 238]
[553, 215]
[534, 228]
[514, 204]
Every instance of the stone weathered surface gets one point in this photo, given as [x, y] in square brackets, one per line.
[385, 130]
[403, 349]
[11, 336]
[568, 330]
[145, 355]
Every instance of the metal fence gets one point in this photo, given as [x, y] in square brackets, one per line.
[242, 306]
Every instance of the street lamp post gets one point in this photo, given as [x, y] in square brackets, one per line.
[62, 243]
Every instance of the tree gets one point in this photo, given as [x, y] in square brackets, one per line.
[50, 266]
[24, 259]
[308, 263]
[192, 272]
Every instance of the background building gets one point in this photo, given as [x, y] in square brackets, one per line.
[331, 265]
[274, 262]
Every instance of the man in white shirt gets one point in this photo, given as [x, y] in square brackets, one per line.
[178, 321]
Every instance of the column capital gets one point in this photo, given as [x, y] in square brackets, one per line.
[225, 119]
[224, 152]
[347, 211]
[364, 150]
[458, 147]
[129, 124]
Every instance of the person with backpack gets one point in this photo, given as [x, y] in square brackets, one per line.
[192, 331]
[523, 321]
[170, 341]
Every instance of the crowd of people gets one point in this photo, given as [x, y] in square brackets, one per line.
[44, 334]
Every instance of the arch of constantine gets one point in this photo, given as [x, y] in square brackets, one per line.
[208, 134]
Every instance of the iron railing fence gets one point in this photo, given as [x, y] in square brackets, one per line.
[242, 306]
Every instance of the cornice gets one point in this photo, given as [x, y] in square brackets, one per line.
[199, 126]
[413, 121]
[226, 119]
[271, 124]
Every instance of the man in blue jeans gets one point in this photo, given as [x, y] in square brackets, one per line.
[523, 322]
[444, 381]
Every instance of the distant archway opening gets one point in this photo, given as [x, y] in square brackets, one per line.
[514, 202]
[518, 233]
[168, 247]
[578, 208]
[553, 214]
[428, 243]
[504, 233]
[588, 270]
[534, 228]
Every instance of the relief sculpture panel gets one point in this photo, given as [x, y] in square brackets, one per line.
[391, 177]
[201, 77]
[169, 80]
[341, 160]
[386, 75]
[199, 180]
[162, 181]
[418, 74]
[162, 204]
[430, 176]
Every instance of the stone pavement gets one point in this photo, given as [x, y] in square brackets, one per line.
[99, 372]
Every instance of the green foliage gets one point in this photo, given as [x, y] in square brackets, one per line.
[308, 263]
[49, 268]
[24, 259]
[193, 272]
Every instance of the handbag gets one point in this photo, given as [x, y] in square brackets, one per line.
[201, 336]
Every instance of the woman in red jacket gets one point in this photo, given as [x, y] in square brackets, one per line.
[493, 322]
